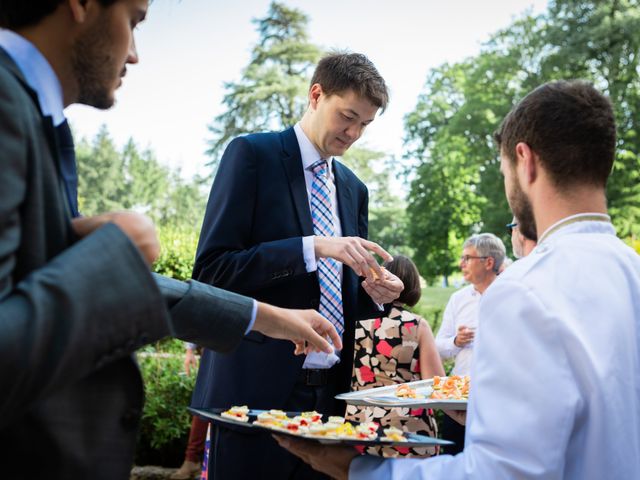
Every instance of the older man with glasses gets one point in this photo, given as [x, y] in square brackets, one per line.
[482, 257]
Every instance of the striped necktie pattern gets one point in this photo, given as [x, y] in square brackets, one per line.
[328, 270]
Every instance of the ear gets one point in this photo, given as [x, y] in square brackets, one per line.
[490, 263]
[526, 164]
[315, 92]
[79, 9]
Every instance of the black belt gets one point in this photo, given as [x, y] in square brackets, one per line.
[316, 377]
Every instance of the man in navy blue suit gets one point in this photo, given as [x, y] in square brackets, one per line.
[286, 223]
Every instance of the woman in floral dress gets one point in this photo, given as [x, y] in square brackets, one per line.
[392, 350]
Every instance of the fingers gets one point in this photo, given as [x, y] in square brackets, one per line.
[333, 335]
[83, 226]
[376, 294]
[383, 291]
[377, 249]
[354, 252]
[301, 347]
[317, 329]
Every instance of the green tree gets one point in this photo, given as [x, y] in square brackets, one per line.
[462, 104]
[146, 181]
[272, 93]
[110, 180]
[387, 217]
[600, 41]
[101, 178]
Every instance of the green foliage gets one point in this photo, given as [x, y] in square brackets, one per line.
[432, 303]
[101, 178]
[388, 223]
[130, 179]
[272, 93]
[634, 243]
[457, 189]
[167, 394]
[178, 252]
[165, 417]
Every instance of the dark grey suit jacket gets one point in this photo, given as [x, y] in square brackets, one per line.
[72, 312]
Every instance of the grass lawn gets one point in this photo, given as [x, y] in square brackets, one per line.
[432, 303]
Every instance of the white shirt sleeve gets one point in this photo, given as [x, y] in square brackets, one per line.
[447, 332]
[309, 254]
[523, 401]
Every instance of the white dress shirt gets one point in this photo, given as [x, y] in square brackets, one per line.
[461, 309]
[555, 389]
[310, 156]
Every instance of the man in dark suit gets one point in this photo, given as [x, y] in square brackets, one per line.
[287, 223]
[76, 294]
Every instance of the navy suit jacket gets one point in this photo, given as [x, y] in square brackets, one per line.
[251, 243]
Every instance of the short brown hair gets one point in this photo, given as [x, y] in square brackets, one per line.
[570, 125]
[340, 72]
[16, 14]
[403, 268]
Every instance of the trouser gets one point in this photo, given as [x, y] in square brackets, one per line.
[452, 430]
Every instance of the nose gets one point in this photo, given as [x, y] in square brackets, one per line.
[353, 131]
[132, 56]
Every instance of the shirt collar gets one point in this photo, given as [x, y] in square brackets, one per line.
[580, 223]
[308, 152]
[37, 72]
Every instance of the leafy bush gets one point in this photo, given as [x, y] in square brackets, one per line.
[168, 389]
[165, 418]
[178, 251]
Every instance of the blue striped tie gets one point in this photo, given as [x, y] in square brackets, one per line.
[328, 269]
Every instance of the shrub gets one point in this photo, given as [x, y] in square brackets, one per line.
[165, 418]
[178, 252]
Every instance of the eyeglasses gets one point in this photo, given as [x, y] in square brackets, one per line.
[466, 258]
[511, 226]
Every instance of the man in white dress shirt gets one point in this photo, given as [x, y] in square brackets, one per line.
[556, 371]
[482, 258]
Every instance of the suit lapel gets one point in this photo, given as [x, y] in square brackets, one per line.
[346, 207]
[47, 124]
[292, 162]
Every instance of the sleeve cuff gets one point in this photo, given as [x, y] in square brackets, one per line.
[254, 312]
[309, 254]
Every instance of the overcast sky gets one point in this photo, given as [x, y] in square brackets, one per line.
[189, 48]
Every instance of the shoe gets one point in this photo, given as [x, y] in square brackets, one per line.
[187, 471]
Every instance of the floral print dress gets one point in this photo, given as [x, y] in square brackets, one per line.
[386, 353]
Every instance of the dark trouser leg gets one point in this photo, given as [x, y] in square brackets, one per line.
[452, 430]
